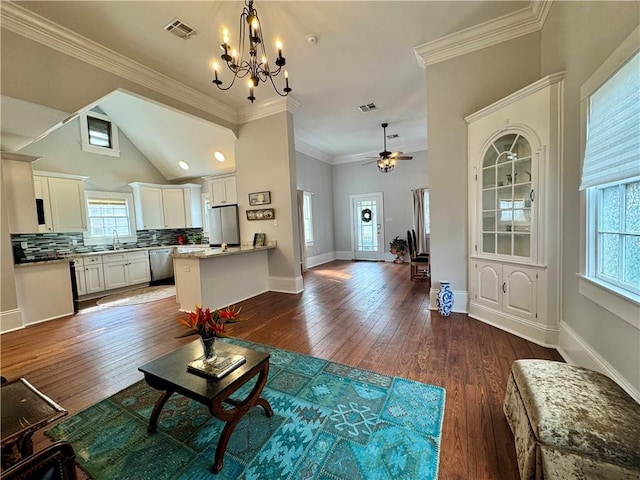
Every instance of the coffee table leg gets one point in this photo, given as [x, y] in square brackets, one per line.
[235, 414]
[153, 421]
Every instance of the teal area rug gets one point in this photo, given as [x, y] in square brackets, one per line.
[330, 421]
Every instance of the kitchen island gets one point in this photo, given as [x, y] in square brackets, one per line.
[213, 278]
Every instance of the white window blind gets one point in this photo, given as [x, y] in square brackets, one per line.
[612, 149]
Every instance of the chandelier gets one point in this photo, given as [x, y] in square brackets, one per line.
[385, 165]
[253, 63]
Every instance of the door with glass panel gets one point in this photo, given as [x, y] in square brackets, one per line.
[508, 197]
[367, 227]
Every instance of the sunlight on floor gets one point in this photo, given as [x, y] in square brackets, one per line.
[332, 274]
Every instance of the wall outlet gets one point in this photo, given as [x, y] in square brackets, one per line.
[23, 244]
[74, 242]
[154, 237]
[275, 223]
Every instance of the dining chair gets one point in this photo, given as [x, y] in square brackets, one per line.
[419, 263]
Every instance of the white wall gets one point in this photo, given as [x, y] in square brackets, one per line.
[577, 38]
[354, 178]
[61, 152]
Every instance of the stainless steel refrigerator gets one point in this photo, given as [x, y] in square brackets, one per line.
[224, 226]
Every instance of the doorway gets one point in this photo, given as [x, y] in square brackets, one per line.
[367, 226]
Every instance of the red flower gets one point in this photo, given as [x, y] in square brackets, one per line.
[209, 324]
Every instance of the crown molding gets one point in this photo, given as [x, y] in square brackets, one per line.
[269, 107]
[513, 25]
[313, 152]
[19, 20]
[522, 93]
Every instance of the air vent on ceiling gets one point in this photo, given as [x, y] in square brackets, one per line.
[180, 29]
[368, 107]
[393, 135]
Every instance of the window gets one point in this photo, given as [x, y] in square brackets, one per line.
[99, 134]
[427, 220]
[307, 215]
[611, 183]
[110, 218]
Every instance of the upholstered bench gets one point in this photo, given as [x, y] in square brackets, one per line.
[571, 423]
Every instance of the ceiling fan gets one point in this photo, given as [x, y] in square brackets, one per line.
[387, 160]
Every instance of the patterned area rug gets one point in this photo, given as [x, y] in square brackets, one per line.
[139, 295]
[330, 421]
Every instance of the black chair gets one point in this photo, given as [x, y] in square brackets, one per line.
[55, 462]
[415, 245]
[419, 263]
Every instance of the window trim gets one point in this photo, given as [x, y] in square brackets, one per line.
[107, 240]
[622, 303]
[114, 150]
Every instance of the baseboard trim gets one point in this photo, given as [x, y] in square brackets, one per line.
[534, 332]
[345, 255]
[291, 285]
[320, 259]
[577, 351]
[460, 300]
[11, 320]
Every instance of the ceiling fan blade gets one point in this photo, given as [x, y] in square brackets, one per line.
[402, 157]
[367, 163]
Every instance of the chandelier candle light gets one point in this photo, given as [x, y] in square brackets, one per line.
[247, 64]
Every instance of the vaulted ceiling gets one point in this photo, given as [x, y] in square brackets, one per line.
[365, 53]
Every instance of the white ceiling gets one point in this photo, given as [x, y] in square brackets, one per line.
[365, 53]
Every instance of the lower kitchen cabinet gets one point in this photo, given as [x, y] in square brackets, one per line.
[93, 275]
[123, 269]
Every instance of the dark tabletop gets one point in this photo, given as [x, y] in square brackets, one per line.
[25, 409]
[170, 371]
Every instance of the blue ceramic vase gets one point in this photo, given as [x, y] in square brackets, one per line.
[445, 299]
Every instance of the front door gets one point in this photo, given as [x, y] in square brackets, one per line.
[367, 227]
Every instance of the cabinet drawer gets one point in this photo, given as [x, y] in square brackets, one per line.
[138, 255]
[114, 258]
[92, 260]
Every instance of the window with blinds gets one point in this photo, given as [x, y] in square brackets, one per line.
[611, 178]
[109, 216]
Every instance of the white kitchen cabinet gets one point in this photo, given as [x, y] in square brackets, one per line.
[81, 284]
[173, 208]
[193, 205]
[124, 269]
[62, 202]
[19, 192]
[514, 211]
[166, 206]
[222, 190]
[93, 274]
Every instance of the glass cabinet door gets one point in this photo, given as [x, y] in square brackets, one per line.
[507, 197]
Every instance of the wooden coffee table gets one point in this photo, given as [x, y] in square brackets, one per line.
[169, 374]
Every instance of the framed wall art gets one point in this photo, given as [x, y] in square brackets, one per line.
[262, 214]
[259, 239]
[259, 198]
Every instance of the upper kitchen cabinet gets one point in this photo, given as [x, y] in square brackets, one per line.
[222, 190]
[19, 191]
[165, 206]
[514, 211]
[60, 202]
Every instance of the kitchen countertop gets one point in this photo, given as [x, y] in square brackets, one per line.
[217, 252]
[42, 262]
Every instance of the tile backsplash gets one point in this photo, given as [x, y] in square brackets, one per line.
[43, 246]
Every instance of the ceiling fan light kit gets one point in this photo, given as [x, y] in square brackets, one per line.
[387, 161]
[248, 63]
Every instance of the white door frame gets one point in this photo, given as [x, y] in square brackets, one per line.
[352, 222]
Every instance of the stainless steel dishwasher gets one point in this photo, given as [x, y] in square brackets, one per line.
[161, 264]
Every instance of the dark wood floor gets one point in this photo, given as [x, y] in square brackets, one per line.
[368, 315]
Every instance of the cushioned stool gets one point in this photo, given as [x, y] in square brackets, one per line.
[571, 423]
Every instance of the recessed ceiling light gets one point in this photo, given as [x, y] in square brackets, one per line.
[183, 165]
[219, 156]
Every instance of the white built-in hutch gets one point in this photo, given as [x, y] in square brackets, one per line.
[515, 211]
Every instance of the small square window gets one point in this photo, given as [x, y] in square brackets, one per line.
[99, 134]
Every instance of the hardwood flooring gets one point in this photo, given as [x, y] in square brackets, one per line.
[368, 315]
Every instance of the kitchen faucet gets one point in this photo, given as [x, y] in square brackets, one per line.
[116, 239]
